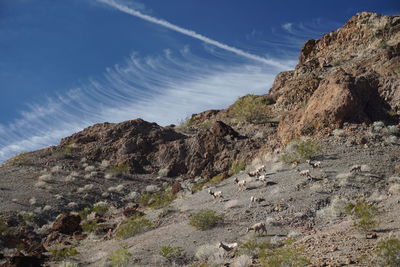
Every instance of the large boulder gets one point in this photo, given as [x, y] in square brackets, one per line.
[67, 224]
[340, 98]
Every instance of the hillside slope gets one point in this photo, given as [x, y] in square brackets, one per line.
[83, 200]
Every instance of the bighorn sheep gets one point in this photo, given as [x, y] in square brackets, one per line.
[257, 171]
[304, 173]
[262, 178]
[241, 183]
[254, 199]
[355, 168]
[314, 164]
[257, 228]
[216, 194]
[227, 247]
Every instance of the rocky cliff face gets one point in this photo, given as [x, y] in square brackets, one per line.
[349, 75]
[149, 148]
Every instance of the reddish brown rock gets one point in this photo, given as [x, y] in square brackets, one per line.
[67, 224]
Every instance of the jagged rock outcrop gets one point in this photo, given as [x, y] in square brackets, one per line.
[147, 148]
[351, 74]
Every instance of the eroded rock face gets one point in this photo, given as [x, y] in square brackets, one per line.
[351, 74]
[340, 98]
[67, 224]
[147, 147]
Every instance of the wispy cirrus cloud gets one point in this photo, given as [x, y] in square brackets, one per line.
[163, 88]
[126, 9]
[288, 27]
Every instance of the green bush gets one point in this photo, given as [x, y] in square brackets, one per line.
[205, 219]
[251, 108]
[301, 150]
[84, 212]
[100, 208]
[28, 217]
[363, 213]
[120, 257]
[19, 159]
[253, 247]
[133, 226]
[217, 179]
[286, 256]
[383, 44]
[158, 199]
[387, 252]
[119, 169]
[3, 227]
[172, 254]
[62, 253]
[89, 226]
[236, 167]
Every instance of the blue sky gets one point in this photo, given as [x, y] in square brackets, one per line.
[68, 64]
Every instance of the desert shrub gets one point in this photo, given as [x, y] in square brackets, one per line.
[205, 219]
[84, 212]
[3, 226]
[236, 167]
[217, 179]
[119, 169]
[28, 217]
[157, 200]
[382, 44]
[68, 150]
[133, 226]
[251, 108]
[198, 186]
[286, 256]
[300, 151]
[100, 208]
[337, 62]
[62, 253]
[19, 159]
[387, 253]
[363, 212]
[253, 247]
[89, 226]
[172, 254]
[243, 261]
[120, 257]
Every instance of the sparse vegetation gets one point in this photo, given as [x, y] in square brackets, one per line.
[337, 62]
[62, 253]
[217, 178]
[236, 167]
[382, 44]
[363, 213]
[387, 253]
[84, 212]
[28, 217]
[205, 219]
[3, 227]
[119, 169]
[19, 159]
[172, 254]
[157, 200]
[133, 226]
[286, 256]
[67, 151]
[253, 247]
[120, 257]
[89, 226]
[252, 109]
[300, 151]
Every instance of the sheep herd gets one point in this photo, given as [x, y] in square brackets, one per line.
[260, 175]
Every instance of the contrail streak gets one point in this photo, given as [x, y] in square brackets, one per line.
[192, 34]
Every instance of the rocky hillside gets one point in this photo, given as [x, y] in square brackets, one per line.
[128, 193]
